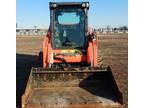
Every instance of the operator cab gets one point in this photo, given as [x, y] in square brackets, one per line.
[69, 25]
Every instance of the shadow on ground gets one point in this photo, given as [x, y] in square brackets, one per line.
[102, 84]
[23, 66]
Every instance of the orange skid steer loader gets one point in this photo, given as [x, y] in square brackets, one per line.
[70, 76]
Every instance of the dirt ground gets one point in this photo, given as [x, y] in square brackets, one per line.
[113, 50]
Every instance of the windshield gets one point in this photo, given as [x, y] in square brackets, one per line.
[69, 28]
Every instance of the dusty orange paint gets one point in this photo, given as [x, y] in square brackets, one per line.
[45, 47]
[90, 57]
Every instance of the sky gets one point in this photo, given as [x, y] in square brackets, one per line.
[30, 13]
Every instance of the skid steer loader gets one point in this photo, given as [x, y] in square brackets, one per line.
[70, 76]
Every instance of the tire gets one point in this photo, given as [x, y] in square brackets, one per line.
[40, 59]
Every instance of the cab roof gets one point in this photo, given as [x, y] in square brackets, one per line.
[57, 4]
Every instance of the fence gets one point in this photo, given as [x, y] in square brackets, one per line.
[41, 32]
[30, 32]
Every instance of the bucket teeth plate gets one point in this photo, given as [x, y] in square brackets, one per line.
[49, 76]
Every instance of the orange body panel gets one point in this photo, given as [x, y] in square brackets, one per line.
[92, 51]
[90, 57]
[95, 52]
[45, 49]
[89, 52]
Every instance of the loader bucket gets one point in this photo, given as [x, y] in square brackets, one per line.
[88, 88]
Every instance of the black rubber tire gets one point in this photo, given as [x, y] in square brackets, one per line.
[40, 59]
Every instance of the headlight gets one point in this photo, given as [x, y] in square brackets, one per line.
[54, 5]
[87, 5]
[83, 5]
